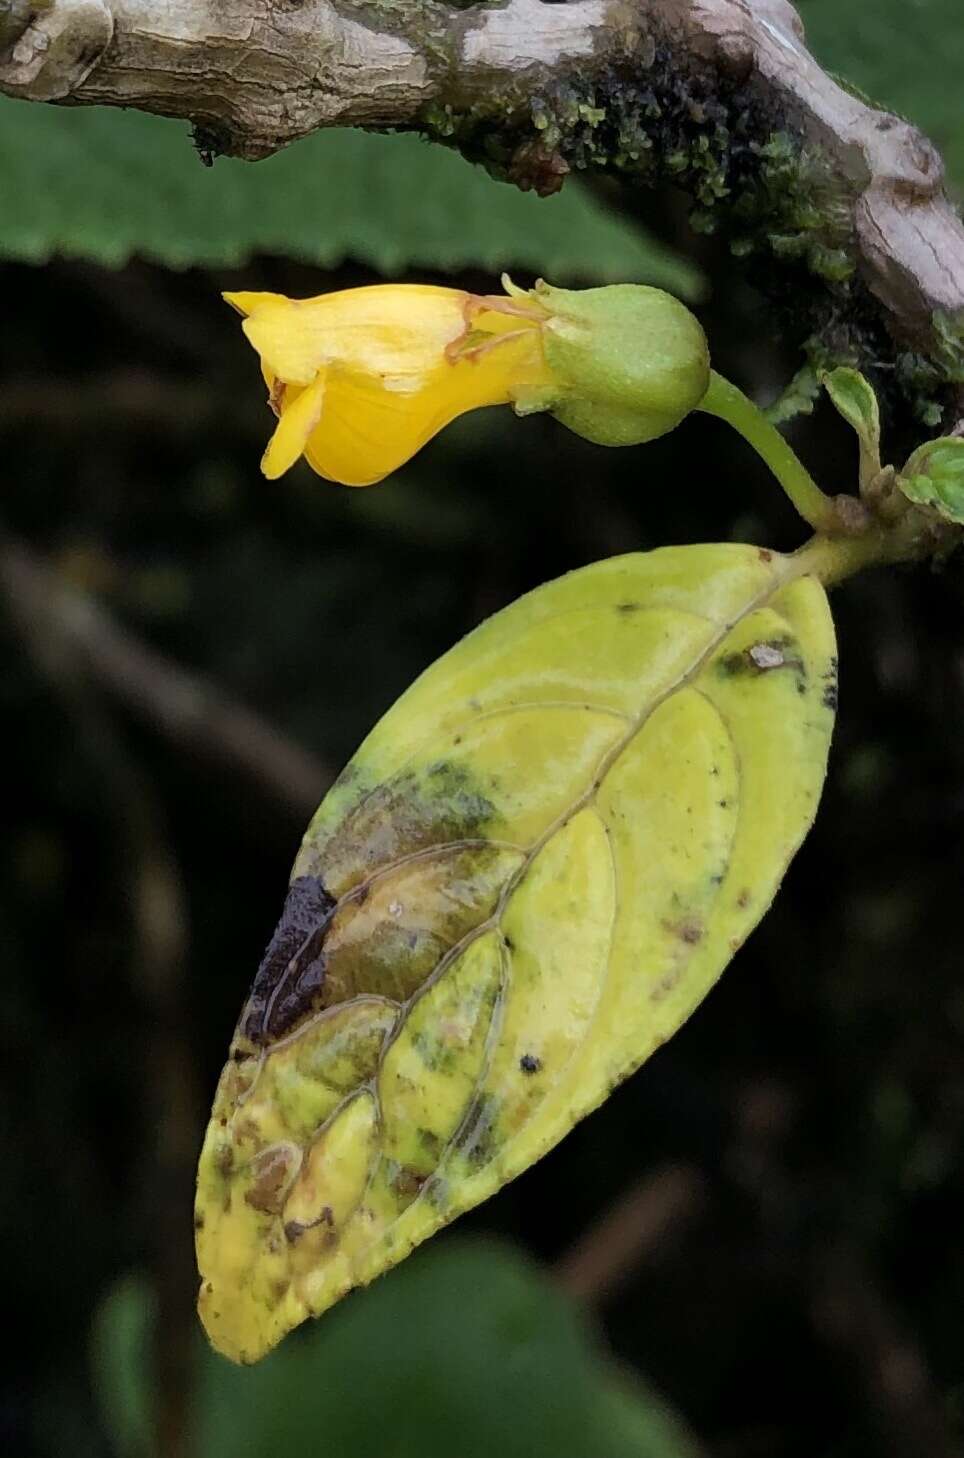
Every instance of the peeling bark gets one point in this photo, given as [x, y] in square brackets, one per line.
[254, 75]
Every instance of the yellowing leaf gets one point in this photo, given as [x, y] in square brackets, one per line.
[528, 877]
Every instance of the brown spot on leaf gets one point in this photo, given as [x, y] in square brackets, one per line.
[414, 915]
[274, 1170]
[666, 984]
[689, 930]
[295, 1229]
[408, 1182]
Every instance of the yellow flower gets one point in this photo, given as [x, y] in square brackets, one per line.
[361, 379]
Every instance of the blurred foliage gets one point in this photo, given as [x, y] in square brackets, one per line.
[819, 1091]
[471, 1351]
[907, 55]
[104, 184]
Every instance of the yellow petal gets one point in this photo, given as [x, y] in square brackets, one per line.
[246, 303]
[368, 431]
[299, 417]
[395, 331]
[400, 362]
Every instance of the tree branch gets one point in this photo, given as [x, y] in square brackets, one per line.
[189, 711]
[721, 95]
[636, 1226]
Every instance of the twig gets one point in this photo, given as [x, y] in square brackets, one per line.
[132, 399]
[254, 75]
[188, 710]
[157, 916]
[650, 1213]
[851, 1314]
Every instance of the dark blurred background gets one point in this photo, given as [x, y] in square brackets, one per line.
[753, 1250]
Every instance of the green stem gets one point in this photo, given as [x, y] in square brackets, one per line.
[832, 559]
[729, 403]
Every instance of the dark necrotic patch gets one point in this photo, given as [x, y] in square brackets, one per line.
[830, 687]
[295, 1229]
[529, 1063]
[273, 1172]
[292, 971]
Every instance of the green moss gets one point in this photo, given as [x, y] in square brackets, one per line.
[797, 399]
[781, 203]
[774, 198]
[925, 378]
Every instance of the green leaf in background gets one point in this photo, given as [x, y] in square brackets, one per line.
[103, 184]
[934, 477]
[907, 54]
[467, 1352]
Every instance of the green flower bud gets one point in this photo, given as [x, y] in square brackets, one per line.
[630, 361]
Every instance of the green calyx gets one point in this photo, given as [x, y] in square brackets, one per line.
[631, 361]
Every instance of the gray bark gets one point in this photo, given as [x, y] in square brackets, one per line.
[257, 74]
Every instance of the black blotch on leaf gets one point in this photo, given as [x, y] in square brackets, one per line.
[292, 970]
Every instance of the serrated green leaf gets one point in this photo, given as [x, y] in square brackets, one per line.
[99, 183]
[853, 397]
[934, 477]
[530, 874]
[397, 1372]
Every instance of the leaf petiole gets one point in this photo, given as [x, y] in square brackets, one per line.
[832, 559]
